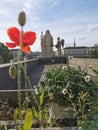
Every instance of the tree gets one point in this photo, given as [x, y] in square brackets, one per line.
[5, 53]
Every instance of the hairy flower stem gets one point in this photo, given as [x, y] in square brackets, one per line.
[25, 73]
[19, 76]
[30, 85]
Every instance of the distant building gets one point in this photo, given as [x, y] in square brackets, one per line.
[77, 51]
[14, 52]
[31, 55]
[80, 51]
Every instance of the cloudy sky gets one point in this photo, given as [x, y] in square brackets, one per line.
[67, 19]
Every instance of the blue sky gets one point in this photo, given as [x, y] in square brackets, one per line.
[64, 18]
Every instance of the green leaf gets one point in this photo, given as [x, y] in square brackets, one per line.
[28, 120]
[40, 115]
[41, 98]
[36, 113]
[16, 114]
[5, 128]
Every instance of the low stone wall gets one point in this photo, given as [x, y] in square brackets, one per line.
[53, 60]
[84, 63]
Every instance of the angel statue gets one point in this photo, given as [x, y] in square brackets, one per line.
[59, 45]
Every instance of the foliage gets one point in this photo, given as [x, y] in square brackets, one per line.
[28, 120]
[68, 87]
[73, 88]
[5, 53]
[72, 80]
[91, 123]
[34, 113]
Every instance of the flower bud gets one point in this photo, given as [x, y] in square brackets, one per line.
[22, 18]
[12, 71]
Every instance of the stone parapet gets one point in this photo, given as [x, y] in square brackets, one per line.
[85, 63]
[53, 60]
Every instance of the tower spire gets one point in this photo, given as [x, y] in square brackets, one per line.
[74, 42]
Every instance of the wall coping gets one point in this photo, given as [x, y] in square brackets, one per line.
[15, 63]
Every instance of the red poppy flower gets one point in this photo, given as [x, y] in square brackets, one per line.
[28, 38]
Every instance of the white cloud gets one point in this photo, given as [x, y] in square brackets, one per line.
[82, 38]
[4, 13]
[91, 27]
[29, 5]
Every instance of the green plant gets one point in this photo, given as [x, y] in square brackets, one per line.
[70, 87]
[5, 53]
[92, 124]
[62, 85]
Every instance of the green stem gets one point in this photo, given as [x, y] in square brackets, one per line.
[25, 73]
[19, 77]
[30, 85]
[19, 81]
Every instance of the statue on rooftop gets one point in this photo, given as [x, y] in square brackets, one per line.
[60, 43]
[47, 44]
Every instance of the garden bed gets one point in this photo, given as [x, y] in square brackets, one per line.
[69, 88]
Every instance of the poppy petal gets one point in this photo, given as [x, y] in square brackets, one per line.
[10, 45]
[14, 34]
[29, 38]
[26, 49]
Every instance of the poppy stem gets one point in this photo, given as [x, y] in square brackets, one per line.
[25, 73]
[19, 76]
[21, 36]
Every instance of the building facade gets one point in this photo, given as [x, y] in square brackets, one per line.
[81, 51]
[14, 52]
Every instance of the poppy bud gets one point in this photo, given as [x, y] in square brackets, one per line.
[22, 18]
[12, 71]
